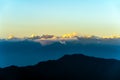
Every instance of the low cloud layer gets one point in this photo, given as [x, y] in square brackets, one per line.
[67, 36]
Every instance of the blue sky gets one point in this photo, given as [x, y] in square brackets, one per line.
[25, 17]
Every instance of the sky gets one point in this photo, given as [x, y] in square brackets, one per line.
[25, 17]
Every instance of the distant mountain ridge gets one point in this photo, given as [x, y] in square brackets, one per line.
[69, 67]
[28, 52]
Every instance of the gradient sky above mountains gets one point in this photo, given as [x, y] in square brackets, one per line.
[25, 17]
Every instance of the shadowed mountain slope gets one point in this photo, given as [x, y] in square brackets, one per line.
[69, 67]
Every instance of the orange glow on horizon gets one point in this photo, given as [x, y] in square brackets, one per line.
[71, 35]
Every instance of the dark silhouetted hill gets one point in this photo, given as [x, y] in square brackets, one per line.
[69, 67]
